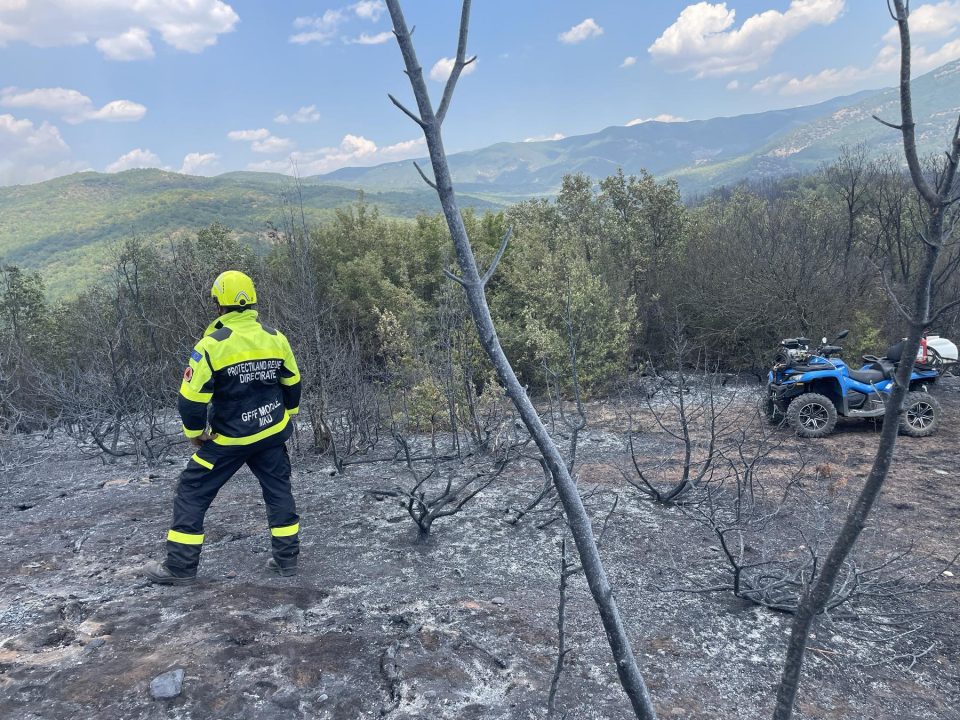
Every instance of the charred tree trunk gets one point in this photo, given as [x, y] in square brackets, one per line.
[918, 315]
[474, 285]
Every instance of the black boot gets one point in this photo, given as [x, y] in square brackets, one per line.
[160, 574]
[282, 570]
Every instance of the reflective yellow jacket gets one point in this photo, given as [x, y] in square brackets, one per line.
[247, 373]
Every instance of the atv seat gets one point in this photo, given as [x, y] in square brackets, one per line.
[867, 376]
[881, 365]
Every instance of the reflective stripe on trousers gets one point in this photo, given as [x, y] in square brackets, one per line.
[206, 472]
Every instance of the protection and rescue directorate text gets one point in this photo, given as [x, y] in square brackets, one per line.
[262, 370]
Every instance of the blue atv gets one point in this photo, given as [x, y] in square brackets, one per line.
[811, 389]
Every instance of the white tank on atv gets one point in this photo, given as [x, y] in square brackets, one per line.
[939, 349]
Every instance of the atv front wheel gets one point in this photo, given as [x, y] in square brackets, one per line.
[812, 415]
[920, 416]
[775, 415]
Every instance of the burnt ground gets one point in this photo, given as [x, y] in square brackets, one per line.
[464, 625]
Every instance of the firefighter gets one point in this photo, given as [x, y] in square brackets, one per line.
[245, 374]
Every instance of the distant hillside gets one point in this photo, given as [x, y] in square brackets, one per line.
[936, 105]
[701, 154]
[530, 168]
[67, 226]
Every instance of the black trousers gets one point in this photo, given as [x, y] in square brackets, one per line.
[208, 471]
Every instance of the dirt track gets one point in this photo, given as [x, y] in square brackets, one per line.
[463, 626]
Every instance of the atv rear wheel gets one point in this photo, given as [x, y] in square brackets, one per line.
[812, 415]
[921, 414]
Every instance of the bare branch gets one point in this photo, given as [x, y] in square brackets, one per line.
[450, 276]
[908, 126]
[406, 111]
[427, 180]
[942, 311]
[562, 649]
[891, 293]
[496, 259]
[888, 124]
[459, 64]
[953, 159]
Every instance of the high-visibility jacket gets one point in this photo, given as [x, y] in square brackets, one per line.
[246, 371]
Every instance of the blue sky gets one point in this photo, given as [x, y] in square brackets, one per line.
[209, 86]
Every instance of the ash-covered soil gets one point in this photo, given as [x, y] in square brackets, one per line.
[461, 626]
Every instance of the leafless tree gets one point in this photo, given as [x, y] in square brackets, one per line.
[474, 285]
[693, 415]
[562, 650]
[117, 381]
[852, 177]
[939, 196]
[302, 309]
[440, 489]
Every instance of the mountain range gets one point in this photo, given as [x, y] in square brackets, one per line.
[67, 227]
[700, 154]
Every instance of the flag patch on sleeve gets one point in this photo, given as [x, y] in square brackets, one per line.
[196, 356]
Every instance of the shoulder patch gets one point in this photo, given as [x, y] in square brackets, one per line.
[221, 334]
[195, 356]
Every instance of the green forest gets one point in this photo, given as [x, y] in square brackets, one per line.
[618, 269]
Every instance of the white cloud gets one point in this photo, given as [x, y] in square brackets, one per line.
[545, 138]
[770, 83]
[354, 150]
[661, 118]
[137, 158]
[119, 111]
[325, 28]
[932, 22]
[14, 132]
[378, 39]
[72, 105]
[815, 82]
[703, 40]
[261, 140]
[924, 61]
[580, 32]
[358, 146]
[199, 163]
[444, 66]
[29, 153]
[733, 85]
[939, 20]
[306, 114]
[134, 44]
[403, 150]
[120, 28]
[272, 144]
[886, 63]
[628, 61]
[322, 29]
[369, 9]
[248, 135]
